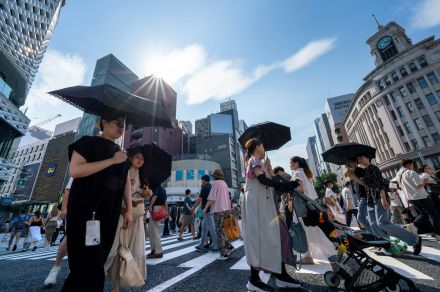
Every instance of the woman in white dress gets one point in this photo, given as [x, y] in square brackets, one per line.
[35, 224]
[319, 245]
[136, 232]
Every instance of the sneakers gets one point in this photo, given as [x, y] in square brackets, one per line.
[200, 249]
[212, 249]
[51, 280]
[223, 257]
[35, 248]
[180, 238]
[418, 247]
[287, 283]
[14, 248]
[257, 286]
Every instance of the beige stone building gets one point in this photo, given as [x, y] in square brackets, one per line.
[397, 109]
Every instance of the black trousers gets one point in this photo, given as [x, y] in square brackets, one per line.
[173, 223]
[349, 215]
[425, 207]
[166, 227]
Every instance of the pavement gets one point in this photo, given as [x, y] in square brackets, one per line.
[184, 269]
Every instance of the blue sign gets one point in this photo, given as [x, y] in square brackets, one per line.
[179, 174]
[51, 168]
[6, 201]
[190, 174]
[201, 173]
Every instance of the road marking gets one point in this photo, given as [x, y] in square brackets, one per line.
[428, 252]
[398, 266]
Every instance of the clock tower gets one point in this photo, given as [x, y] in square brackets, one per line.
[387, 42]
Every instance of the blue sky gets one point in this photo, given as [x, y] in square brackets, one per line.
[278, 59]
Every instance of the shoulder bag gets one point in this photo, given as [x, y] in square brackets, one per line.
[159, 213]
[138, 210]
[128, 272]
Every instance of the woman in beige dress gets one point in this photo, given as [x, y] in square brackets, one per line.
[267, 243]
[136, 232]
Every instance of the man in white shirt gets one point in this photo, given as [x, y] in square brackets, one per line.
[413, 187]
[350, 208]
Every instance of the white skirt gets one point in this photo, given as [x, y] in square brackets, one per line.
[34, 233]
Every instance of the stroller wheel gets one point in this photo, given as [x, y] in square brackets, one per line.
[332, 279]
[393, 289]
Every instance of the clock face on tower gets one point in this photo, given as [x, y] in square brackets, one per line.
[384, 42]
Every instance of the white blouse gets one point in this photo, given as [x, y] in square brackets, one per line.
[308, 187]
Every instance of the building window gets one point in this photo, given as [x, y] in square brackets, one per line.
[432, 78]
[426, 141]
[407, 147]
[437, 114]
[386, 99]
[411, 87]
[419, 124]
[380, 122]
[39, 156]
[419, 103]
[393, 114]
[428, 121]
[415, 144]
[412, 67]
[422, 83]
[380, 85]
[403, 91]
[436, 138]
[387, 81]
[422, 62]
[400, 110]
[393, 96]
[403, 72]
[407, 128]
[395, 76]
[431, 99]
[399, 129]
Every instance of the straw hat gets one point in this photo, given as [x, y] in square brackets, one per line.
[218, 174]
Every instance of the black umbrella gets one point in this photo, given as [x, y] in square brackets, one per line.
[340, 153]
[271, 134]
[157, 165]
[107, 99]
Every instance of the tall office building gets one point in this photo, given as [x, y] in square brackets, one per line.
[108, 70]
[26, 29]
[322, 167]
[169, 139]
[336, 109]
[312, 155]
[397, 109]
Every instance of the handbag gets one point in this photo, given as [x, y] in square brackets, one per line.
[159, 213]
[138, 209]
[299, 239]
[230, 228]
[128, 272]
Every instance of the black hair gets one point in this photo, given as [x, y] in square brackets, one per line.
[422, 168]
[37, 213]
[278, 169]
[206, 178]
[142, 176]
[303, 164]
[108, 118]
[187, 192]
[327, 182]
[250, 146]
[347, 184]
[405, 162]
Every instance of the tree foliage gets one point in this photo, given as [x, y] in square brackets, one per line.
[319, 183]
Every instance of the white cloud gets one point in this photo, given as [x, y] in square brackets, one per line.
[176, 64]
[202, 78]
[219, 80]
[308, 54]
[426, 14]
[57, 70]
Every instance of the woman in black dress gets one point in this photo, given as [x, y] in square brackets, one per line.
[99, 168]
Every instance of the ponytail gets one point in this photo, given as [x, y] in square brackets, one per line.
[303, 164]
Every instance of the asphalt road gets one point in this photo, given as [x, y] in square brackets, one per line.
[183, 269]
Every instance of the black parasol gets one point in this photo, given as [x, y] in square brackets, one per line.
[340, 153]
[272, 135]
[107, 99]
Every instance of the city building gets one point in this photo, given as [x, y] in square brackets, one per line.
[335, 110]
[52, 178]
[312, 155]
[217, 135]
[26, 29]
[108, 70]
[322, 167]
[397, 108]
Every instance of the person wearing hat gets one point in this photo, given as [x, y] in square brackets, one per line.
[220, 205]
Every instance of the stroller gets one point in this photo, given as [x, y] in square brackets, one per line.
[359, 271]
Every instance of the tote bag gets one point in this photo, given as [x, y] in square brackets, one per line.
[128, 272]
[230, 228]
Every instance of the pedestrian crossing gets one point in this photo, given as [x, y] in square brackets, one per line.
[174, 249]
